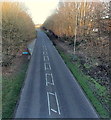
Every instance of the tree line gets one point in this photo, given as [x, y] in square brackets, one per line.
[83, 22]
[17, 29]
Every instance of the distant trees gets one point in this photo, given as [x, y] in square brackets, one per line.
[17, 29]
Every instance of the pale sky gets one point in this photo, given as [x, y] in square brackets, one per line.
[40, 9]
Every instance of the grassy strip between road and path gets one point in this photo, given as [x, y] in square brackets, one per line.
[83, 80]
[11, 91]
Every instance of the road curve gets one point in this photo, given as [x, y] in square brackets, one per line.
[50, 90]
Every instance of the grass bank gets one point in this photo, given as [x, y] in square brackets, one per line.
[85, 81]
[11, 91]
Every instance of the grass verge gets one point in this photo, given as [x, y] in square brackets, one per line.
[11, 90]
[83, 81]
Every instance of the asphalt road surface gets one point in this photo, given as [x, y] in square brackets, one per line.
[50, 90]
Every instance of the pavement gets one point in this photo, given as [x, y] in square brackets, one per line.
[50, 90]
[31, 46]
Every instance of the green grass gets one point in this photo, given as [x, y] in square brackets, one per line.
[11, 91]
[83, 81]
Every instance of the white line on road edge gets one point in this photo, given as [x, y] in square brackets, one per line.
[57, 103]
[48, 102]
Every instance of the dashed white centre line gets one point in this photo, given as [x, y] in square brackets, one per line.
[51, 81]
[49, 103]
[44, 47]
[46, 58]
[47, 82]
[47, 66]
[45, 53]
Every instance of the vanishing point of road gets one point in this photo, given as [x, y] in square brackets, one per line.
[50, 90]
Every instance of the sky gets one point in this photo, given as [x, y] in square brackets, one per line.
[40, 9]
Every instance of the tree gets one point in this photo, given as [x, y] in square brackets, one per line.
[17, 29]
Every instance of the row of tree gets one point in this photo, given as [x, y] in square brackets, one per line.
[17, 29]
[86, 19]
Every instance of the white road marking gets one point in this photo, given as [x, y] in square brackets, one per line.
[45, 66]
[52, 79]
[57, 103]
[46, 58]
[49, 66]
[45, 53]
[44, 47]
[48, 102]
[51, 93]
[54, 110]
[49, 105]
[46, 77]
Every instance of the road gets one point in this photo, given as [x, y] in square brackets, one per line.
[50, 90]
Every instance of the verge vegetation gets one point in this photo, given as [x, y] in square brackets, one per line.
[18, 30]
[11, 87]
[86, 82]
